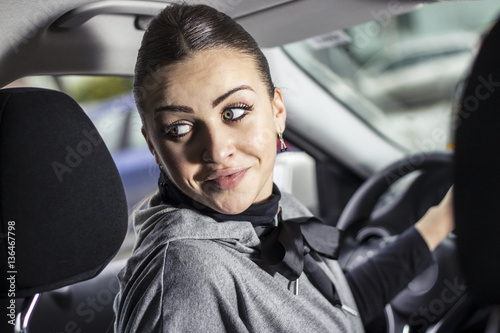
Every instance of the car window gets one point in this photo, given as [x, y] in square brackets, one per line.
[401, 74]
[106, 99]
[136, 139]
[111, 126]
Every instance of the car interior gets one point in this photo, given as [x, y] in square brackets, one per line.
[65, 194]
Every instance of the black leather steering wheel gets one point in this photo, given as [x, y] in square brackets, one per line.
[384, 206]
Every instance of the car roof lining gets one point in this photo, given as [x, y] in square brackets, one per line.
[114, 52]
[82, 14]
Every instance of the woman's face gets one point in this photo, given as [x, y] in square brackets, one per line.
[213, 126]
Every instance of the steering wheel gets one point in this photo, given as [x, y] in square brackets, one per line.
[384, 206]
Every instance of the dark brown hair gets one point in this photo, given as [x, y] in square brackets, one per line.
[178, 32]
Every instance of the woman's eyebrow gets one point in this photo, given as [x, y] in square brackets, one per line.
[217, 101]
[174, 108]
[221, 98]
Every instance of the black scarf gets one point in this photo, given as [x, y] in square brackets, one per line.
[286, 247]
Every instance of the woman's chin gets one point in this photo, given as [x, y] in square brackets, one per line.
[232, 211]
[231, 208]
[235, 201]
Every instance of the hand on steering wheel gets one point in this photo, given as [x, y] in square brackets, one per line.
[438, 222]
[368, 226]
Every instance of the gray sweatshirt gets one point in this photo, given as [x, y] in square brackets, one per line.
[189, 273]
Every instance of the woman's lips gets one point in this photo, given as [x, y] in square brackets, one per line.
[226, 179]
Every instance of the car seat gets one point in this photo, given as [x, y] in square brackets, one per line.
[63, 212]
[477, 177]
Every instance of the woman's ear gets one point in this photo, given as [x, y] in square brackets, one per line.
[279, 110]
[150, 144]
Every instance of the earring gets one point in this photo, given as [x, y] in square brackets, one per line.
[282, 142]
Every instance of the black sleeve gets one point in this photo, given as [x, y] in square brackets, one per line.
[375, 282]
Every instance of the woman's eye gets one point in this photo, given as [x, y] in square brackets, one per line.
[233, 113]
[178, 130]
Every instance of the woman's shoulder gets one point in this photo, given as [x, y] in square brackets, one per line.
[197, 252]
[181, 263]
[201, 266]
[183, 275]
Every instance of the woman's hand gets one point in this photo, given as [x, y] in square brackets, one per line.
[437, 222]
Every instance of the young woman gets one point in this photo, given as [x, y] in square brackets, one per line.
[219, 248]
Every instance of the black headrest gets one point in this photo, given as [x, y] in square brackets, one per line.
[477, 174]
[63, 213]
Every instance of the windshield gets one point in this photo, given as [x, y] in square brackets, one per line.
[401, 74]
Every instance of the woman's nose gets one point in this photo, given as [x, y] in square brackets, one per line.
[218, 144]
